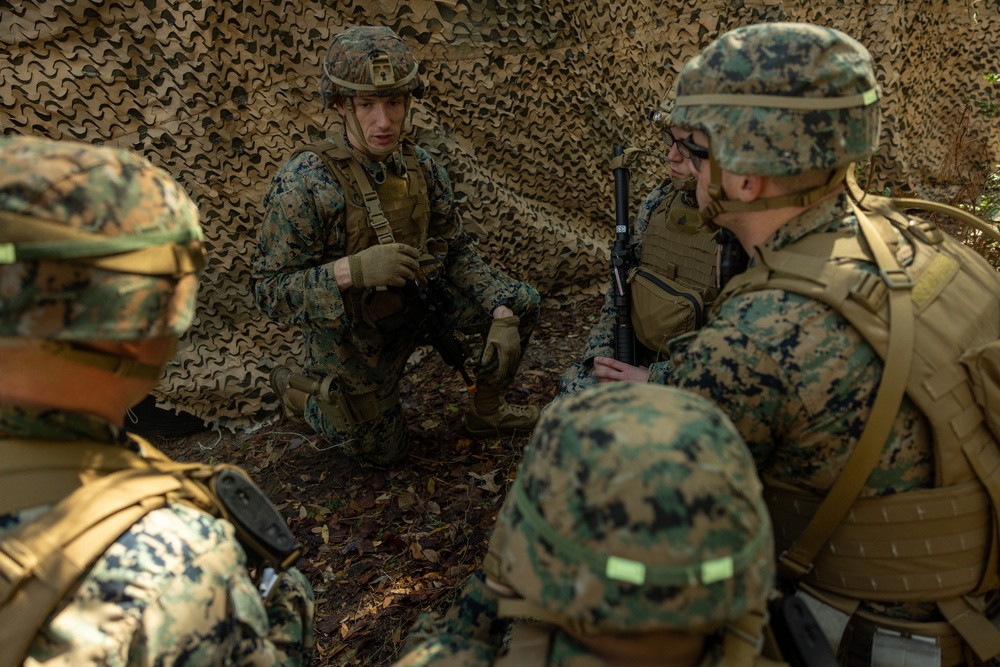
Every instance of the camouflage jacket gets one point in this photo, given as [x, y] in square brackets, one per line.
[173, 590]
[303, 232]
[798, 381]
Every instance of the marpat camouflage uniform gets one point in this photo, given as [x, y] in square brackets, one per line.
[798, 382]
[174, 589]
[616, 475]
[356, 348]
[795, 378]
[303, 233]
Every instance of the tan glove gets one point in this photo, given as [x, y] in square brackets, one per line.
[504, 341]
[389, 264]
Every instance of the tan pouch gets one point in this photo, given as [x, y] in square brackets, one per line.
[663, 308]
[983, 366]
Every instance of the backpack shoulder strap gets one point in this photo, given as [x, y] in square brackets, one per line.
[797, 560]
[330, 151]
[43, 560]
[105, 490]
[901, 203]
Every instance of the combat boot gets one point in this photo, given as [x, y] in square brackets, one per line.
[293, 401]
[491, 415]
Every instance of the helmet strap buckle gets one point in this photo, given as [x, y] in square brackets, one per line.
[380, 69]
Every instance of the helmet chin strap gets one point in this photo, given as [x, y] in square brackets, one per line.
[117, 365]
[355, 126]
[718, 202]
[684, 184]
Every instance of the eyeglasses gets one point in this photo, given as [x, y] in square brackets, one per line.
[687, 148]
[692, 151]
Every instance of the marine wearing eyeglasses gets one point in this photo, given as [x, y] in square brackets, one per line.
[675, 278]
[777, 114]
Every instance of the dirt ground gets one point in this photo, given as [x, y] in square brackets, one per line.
[381, 546]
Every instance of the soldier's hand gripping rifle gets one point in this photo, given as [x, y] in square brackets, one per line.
[621, 261]
[427, 308]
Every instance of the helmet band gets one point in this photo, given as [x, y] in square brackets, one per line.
[860, 100]
[125, 367]
[634, 572]
[25, 238]
[377, 69]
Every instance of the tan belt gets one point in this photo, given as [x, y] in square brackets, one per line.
[914, 546]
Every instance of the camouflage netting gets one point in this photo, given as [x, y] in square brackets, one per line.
[524, 105]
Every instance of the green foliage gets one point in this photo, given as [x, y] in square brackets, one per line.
[988, 108]
[989, 203]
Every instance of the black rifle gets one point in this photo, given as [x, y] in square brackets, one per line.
[798, 636]
[427, 308]
[621, 262]
[733, 258]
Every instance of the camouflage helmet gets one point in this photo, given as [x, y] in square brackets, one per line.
[637, 507]
[370, 61]
[95, 244]
[777, 99]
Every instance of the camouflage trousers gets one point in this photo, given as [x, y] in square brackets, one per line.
[366, 364]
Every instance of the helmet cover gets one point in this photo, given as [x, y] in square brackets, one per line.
[637, 507]
[777, 99]
[369, 61]
[95, 244]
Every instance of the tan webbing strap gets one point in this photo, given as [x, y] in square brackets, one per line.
[41, 562]
[39, 472]
[856, 100]
[916, 545]
[798, 559]
[158, 254]
[977, 630]
[743, 638]
[984, 458]
[951, 211]
[376, 218]
[719, 204]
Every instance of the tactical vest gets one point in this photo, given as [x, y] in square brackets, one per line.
[100, 491]
[928, 322]
[674, 284]
[396, 211]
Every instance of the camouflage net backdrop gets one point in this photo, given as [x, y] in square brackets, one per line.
[525, 102]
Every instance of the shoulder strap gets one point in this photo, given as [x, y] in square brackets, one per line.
[860, 196]
[104, 491]
[797, 560]
[334, 157]
[43, 560]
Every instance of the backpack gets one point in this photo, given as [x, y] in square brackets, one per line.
[100, 491]
[948, 362]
